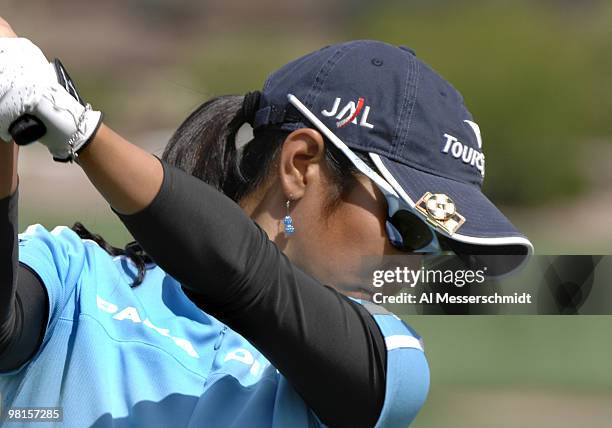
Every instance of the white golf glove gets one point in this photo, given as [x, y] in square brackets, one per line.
[38, 101]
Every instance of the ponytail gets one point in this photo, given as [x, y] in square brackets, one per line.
[204, 145]
[132, 251]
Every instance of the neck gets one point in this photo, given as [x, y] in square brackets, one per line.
[256, 207]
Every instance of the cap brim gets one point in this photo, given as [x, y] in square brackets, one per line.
[486, 231]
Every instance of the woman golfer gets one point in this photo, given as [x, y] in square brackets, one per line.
[260, 316]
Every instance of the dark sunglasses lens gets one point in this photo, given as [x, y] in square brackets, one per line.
[414, 232]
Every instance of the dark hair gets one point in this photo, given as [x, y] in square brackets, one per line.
[204, 146]
[132, 251]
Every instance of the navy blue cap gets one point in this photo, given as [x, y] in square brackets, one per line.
[382, 100]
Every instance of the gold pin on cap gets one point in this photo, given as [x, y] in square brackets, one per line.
[441, 211]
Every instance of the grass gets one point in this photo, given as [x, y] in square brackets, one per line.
[517, 371]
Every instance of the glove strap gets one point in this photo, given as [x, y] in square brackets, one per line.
[73, 154]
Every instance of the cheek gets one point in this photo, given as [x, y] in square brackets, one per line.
[359, 228]
[333, 249]
[341, 240]
[363, 232]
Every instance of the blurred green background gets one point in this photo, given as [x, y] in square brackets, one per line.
[537, 76]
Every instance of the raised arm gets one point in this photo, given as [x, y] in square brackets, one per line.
[127, 176]
[23, 302]
[233, 271]
[320, 340]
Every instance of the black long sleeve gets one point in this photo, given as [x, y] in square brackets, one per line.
[8, 264]
[23, 299]
[326, 345]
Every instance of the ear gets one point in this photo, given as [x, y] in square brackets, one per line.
[301, 161]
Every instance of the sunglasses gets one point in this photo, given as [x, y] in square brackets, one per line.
[405, 229]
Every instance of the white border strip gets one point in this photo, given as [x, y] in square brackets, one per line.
[511, 240]
[401, 341]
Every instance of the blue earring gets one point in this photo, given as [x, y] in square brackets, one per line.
[288, 222]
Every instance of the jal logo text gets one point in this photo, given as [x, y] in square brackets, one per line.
[349, 113]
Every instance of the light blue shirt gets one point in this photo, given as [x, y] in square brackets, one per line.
[146, 356]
